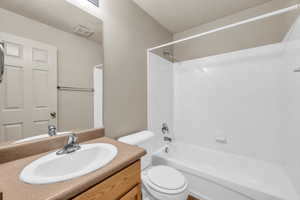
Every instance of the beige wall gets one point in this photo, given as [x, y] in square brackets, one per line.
[128, 32]
[254, 34]
[76, 58]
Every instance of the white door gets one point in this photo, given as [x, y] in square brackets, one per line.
[28, 92]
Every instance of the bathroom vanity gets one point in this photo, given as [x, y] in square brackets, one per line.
[118, 180]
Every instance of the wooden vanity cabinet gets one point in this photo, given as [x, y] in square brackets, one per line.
[134, 194]
[124, 185]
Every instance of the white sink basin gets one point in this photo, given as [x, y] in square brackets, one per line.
[54, 168]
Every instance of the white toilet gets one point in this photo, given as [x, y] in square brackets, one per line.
[159, 182]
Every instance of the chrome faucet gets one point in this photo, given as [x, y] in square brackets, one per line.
[52, 130]
[71, 146]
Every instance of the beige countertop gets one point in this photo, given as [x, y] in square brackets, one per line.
[14, 189]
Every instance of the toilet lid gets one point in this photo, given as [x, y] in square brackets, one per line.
[166, 178]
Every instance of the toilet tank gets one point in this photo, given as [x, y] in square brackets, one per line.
[145, 140]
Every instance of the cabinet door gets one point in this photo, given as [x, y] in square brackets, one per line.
[116, 186]
[134, 194]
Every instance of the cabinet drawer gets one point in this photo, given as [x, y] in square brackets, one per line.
[134, 194]
[116, 186]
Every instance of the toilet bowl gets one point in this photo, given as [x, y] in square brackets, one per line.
[164, 183]
[159, 182]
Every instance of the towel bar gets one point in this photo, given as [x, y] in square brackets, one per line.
[75, 89]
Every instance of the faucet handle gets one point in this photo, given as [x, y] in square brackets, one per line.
[72, 139]
[168, 139]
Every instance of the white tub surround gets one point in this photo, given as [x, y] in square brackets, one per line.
[232, 102]
[228, 105]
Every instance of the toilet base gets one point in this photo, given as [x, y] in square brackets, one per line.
[145, 195]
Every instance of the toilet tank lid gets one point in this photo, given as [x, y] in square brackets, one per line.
[137, 138]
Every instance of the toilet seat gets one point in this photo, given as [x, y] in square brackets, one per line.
[166, 180]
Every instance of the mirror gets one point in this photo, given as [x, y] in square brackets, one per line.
[51, 69]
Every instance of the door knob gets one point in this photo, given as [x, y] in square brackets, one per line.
[53, 115]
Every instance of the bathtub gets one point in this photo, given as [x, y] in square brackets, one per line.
[215, 175]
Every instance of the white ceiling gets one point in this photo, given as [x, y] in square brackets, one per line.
[180, 15]
[57, 13]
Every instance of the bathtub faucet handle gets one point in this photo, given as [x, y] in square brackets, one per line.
[165, 128]
[168, 139]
